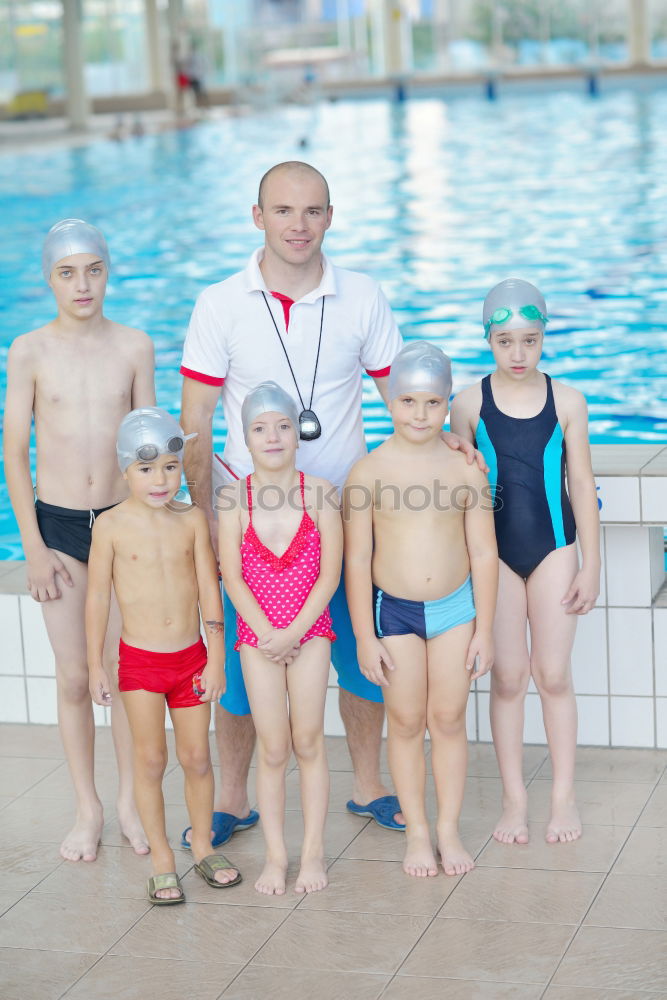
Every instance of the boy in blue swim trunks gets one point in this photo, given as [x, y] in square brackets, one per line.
[419, 543]
[533, 432]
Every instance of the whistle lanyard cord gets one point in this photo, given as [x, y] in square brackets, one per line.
[317, 359]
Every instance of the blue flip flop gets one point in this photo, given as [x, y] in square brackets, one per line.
[382, 810]
[223, 826]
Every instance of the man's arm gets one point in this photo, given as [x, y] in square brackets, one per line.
[210, 605]
[143, 386]
[98, 601]
[198, 404]
[43, 563]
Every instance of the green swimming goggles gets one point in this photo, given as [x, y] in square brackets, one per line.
[502, 314]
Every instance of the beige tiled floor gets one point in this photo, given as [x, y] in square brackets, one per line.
[586, 921]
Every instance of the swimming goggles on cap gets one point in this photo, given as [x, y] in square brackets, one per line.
[502, 314]
[149, 452]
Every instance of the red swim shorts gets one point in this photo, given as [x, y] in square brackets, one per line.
[169, 674]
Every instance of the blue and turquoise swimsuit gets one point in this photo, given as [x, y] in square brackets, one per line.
[526, 459]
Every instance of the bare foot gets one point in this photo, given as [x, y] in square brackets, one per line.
[131, 828]
[312, 875]
[512, 827]
[565, 824]
[82, 841]
[272, 880]
[419, 858]
[455, 859]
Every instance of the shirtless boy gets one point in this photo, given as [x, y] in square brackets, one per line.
[419, 543]
[78, 375]
[158, 555]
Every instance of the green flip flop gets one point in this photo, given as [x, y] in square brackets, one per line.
[213, 863]
[168, 881]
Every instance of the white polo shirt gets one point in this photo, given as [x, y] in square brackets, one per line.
[232, 342]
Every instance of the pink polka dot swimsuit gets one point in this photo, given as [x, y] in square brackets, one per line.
[281, 584]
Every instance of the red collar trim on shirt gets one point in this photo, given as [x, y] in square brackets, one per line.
[286, 303]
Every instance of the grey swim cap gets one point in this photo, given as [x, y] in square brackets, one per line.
[517, 300]
[146, 433]
[268, 397]
[72, 236]
[420, 367]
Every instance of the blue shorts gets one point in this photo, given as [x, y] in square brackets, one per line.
[427, 619]
[343, 657]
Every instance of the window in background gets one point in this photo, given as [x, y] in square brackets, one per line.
[114, 40]
[658, 29]
[30, 47]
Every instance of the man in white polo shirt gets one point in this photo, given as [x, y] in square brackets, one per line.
[294, 317]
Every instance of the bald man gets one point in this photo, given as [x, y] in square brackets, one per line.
[294, 317]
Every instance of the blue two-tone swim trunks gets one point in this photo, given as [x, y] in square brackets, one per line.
[427, 619]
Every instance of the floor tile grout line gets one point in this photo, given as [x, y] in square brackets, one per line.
[106, 953]
[581, 922]
[431, 921]
[289, 912]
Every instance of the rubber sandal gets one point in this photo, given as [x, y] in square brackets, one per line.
[224, 825]
[169, 880]
[213, 863]
[381, 810]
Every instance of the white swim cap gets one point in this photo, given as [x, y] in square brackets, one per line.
[268, 397]
[148, 432]
[72, 236]
[420, 367]
[517, 300]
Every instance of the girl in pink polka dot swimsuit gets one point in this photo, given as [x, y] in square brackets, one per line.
[280, 557]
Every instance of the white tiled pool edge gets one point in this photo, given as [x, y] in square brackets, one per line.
[620, 653]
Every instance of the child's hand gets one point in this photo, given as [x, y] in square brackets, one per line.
[213, 681]
[277, 644]
[583, 592]
[289, 657]
[457, 443]
[42, 576]
[374, 660]
[481, 646]
[100, 689]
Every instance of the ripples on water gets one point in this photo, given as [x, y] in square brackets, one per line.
[437, 201]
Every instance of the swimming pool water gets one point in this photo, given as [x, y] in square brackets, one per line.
[436, 200]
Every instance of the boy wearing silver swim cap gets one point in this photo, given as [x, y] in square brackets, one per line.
[420, 572]
[148, 432]
[533, 432]
[79, 374]
[157, 554]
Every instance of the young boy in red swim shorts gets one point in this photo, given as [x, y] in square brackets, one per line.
[158, 555]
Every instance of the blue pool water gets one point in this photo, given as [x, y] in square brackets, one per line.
[436, 200]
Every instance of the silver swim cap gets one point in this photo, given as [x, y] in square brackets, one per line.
[72, 236]
[514, 299]
[148, 432]
[420, 367]
[268, 397]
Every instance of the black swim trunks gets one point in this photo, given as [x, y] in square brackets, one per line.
[68, 531]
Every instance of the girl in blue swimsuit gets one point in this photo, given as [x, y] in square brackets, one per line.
[533, 433]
